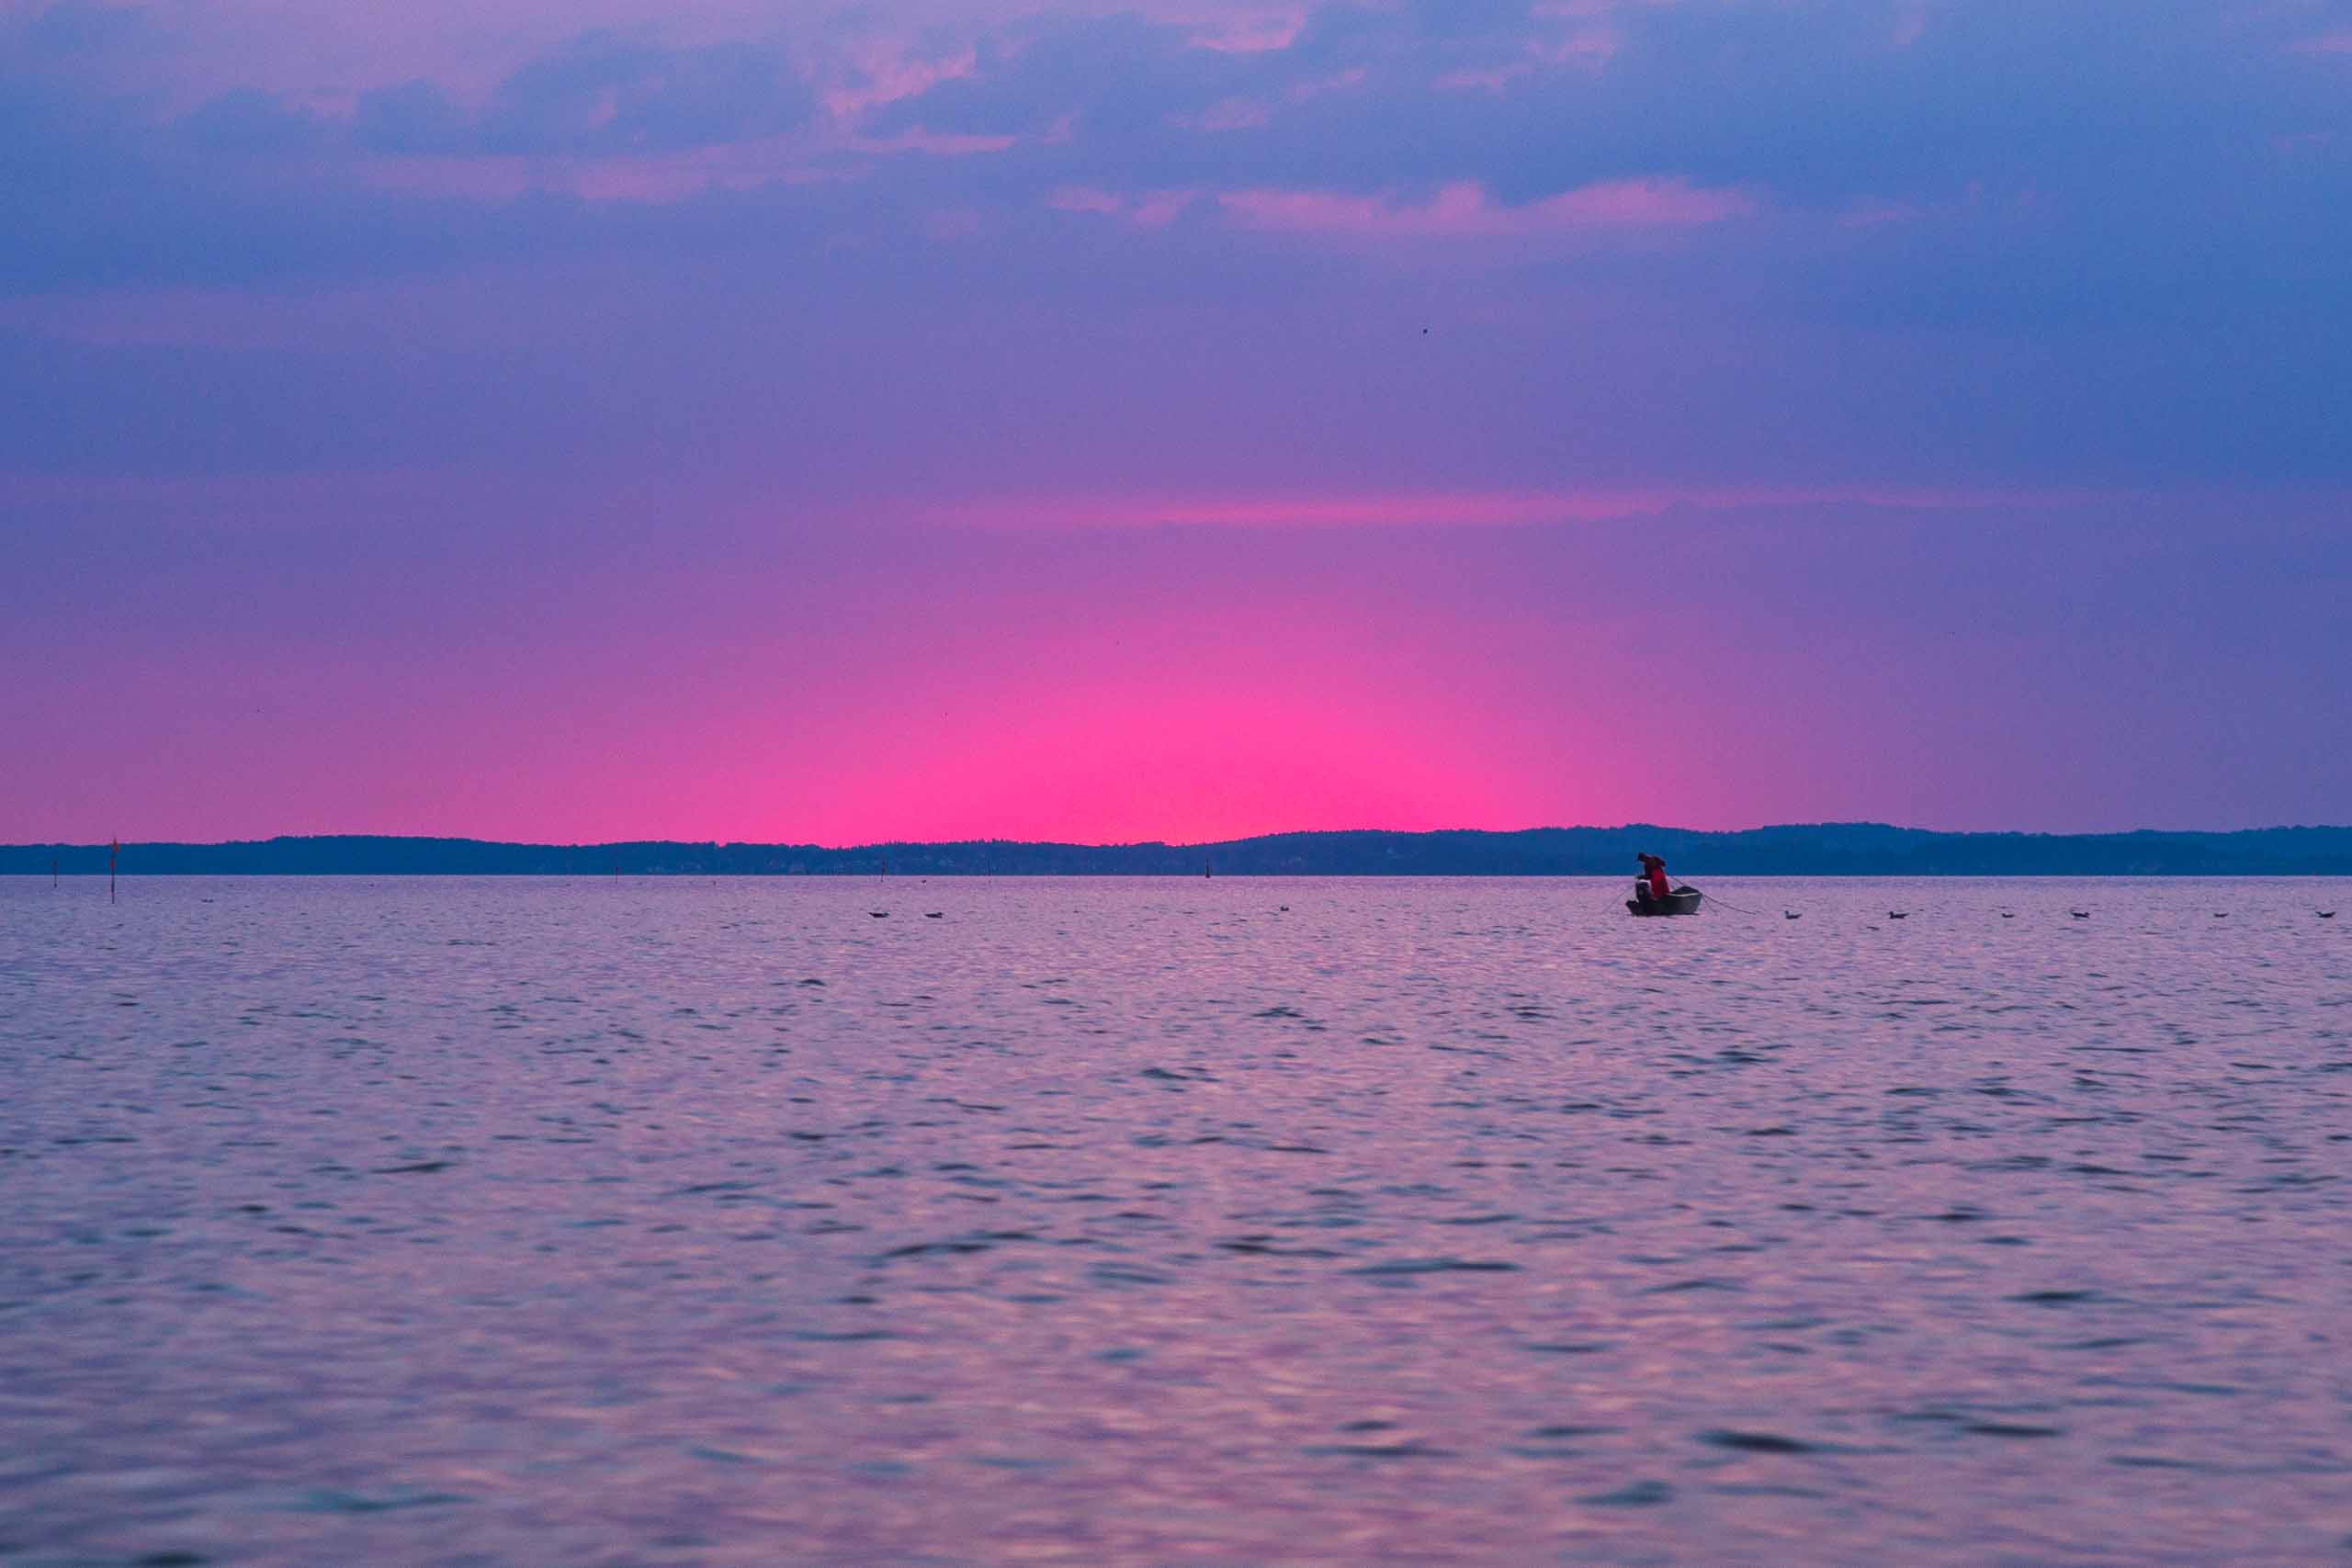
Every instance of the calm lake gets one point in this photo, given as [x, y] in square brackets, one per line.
[643, 1222]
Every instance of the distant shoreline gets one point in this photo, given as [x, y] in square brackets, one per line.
[1819, 850]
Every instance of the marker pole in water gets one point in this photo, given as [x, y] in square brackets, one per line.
[113, 849]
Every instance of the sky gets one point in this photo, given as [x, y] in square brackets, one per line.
[939, 419]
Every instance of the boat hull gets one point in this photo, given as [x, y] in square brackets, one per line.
[1681, 901]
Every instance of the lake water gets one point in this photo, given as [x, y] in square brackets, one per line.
[424, 1222]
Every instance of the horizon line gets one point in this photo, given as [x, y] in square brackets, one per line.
[878, 844]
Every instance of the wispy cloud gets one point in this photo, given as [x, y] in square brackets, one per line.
[1150, 209]
[1466, 209]
[1508, 508]
[883, 70]
[1252, 31]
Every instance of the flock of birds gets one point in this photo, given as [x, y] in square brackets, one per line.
[2012, 914]
[1786, 914]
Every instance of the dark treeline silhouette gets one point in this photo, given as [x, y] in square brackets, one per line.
[1825, 850]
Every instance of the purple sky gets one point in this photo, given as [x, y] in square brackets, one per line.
[923, 419]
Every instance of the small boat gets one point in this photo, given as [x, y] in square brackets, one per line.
[1790, 915]
[2080, 914]
[2008, 914]
[2327, 914]
[1681, 901]
[1898, 914]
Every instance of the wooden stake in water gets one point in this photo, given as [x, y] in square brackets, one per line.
[113, 849]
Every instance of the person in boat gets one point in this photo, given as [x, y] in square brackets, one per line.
[1655, 884]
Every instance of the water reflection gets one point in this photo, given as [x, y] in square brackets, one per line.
[507, 1222]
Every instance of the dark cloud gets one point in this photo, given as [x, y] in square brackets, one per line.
[1823, 103]
[1121, 75]
[606, 92]
[2003, 166]
[599, 94]
[2065, 242]
[250, 123]
[411, 119]
[81, 32]
[1461, 19]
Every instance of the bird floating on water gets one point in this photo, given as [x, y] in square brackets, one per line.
[880, 914]
[1790, 915]
[934, 914]
[2081, 914]
[2008, 914]
[2327, 914]
[1898, 914]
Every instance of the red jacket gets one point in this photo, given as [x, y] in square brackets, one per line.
[1659, 884]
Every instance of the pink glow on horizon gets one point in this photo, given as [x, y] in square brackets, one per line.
[1182, 724]
[1180, 760]
[1175, 685]
[1168, 418]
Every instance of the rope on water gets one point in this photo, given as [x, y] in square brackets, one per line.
[1706, 899]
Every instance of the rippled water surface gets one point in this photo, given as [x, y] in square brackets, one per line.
[424, 1222]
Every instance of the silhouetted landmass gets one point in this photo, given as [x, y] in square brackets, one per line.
[1841, 849]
